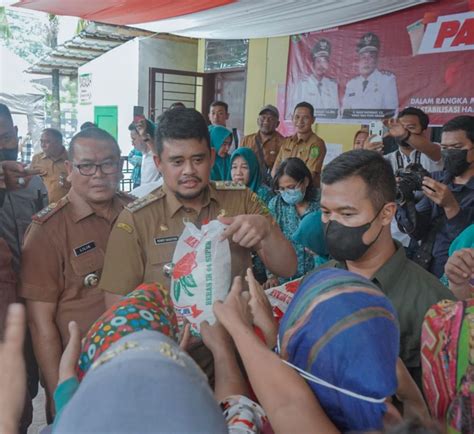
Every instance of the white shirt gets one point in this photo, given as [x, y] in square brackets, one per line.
[379, 92]
[149, 171]
[430, 165]
[427, 163]
[320, 94]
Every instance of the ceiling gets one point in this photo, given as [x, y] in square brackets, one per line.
[224, 19]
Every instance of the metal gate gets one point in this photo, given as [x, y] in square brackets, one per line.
[167, 86]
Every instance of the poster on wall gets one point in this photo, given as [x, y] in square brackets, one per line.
[421, 57]
[85, 89]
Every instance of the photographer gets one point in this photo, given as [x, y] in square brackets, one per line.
[413, 148]
[448, 203]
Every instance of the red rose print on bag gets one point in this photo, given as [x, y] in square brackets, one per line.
[183, 279]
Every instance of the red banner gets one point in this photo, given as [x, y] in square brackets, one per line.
[419, 57]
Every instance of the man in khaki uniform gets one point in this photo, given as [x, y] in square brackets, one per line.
[143, 240]
[304, 145]
[64, 247]
[51, 163]
[267, 141]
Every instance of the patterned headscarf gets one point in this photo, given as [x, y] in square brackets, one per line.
[148, 307]
[342, 334]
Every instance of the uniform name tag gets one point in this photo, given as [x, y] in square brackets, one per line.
[84, 248]
[165, 240]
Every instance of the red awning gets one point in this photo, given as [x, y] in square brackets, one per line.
[124, 11]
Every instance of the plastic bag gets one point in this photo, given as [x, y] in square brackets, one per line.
[280, 297]
[201, 273]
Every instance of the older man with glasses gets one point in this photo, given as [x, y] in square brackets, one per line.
[64, 249]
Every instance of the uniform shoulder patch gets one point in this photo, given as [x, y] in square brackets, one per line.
[229, 185]
[47, 212]
[142, 202]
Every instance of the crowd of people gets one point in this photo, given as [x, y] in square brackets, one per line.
[375, 250]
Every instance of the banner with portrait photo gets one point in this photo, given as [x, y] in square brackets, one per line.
[419, 57]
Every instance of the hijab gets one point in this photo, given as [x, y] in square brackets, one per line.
[220, 170]
[341, 333]
[255, 177]
[310, 233]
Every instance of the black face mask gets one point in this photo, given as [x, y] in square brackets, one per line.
[8, 154]
[455, 161]
[344, 243]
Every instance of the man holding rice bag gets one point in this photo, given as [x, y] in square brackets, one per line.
[144, 238]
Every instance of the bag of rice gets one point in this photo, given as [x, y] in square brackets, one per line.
[201, 273]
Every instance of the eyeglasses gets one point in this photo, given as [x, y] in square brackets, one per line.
[90, 169]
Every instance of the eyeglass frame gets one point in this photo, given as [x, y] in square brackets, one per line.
[116, 165]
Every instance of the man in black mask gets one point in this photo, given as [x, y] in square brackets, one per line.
[358, 204]
[448, 206]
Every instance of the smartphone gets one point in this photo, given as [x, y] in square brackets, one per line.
[138, 114]
[378, 130]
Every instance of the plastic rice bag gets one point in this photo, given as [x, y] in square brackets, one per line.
[201, 273]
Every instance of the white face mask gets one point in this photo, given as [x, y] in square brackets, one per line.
[310, 377]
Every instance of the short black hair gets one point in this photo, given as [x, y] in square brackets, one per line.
[132, 127]
[371, 166]
[185, 123]
[461, 123]
[55, 134]
[5, 113]
[95, 134]
[307, 105]
[220, 104]
[87, 124]
[296, 169]
[177, 104]
[420, 114]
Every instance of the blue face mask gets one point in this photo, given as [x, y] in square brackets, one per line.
[292, 196]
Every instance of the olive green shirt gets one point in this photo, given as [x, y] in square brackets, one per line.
[412, 291]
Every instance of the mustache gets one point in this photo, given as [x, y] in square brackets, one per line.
[189, 178]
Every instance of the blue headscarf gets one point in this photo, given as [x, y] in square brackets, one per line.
[255, 177]
[310, 233]
[220, 170]
[343, 330]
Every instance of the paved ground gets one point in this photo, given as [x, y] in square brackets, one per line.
[39, 418]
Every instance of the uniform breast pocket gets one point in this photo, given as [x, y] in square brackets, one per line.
[160, 256]
[87, 267]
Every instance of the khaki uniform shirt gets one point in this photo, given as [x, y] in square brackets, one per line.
[311, 151]
[64, 248]
[53, 172]
[270, 147]
[144, 238]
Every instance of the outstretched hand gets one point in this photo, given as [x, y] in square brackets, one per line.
[12, 369]
[70, 357]
[262, 311]
[246, 230]
[234, 312]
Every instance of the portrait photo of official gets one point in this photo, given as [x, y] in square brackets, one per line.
[320, 90]
[372, 89]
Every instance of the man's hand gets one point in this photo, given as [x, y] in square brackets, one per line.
[246, 230]
[16, 176]
[12, 370]
[441, 195]
[460, 272]
[235, 310]
[271, 283]
[262, 311]
[216, 338]
[70, 357]
[397, 130]
[372, 146]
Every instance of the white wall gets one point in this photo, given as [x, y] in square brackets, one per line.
[167, 53]
[115, 83]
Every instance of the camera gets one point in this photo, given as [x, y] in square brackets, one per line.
[411, 179]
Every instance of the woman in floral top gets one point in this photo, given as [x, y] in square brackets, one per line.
[296, 197]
